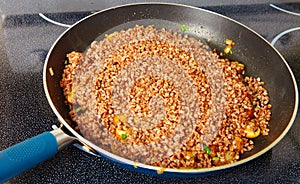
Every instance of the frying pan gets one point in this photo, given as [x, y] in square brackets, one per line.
[259, 57]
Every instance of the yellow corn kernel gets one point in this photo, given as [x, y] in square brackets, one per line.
[51, 71]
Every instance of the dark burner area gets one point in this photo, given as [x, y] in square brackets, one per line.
[25, 39]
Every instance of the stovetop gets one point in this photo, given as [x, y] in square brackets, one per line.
[25, 38]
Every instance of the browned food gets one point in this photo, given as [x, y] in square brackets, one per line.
[136, 86]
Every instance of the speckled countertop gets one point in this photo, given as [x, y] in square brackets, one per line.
[25, 39]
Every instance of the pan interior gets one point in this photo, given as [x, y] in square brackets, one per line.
[195, 30]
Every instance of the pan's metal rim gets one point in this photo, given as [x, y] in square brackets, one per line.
[171, 170]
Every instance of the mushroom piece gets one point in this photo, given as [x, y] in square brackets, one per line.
[252, 131]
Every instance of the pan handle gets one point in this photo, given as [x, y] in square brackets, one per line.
[29, 153]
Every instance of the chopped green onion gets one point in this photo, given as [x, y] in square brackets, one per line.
[66, 62]
[207, 150]
[230, 51]
[124, 135]
[69, 97]
[183, 28]
[215, 158]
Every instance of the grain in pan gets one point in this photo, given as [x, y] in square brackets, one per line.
[136, 86]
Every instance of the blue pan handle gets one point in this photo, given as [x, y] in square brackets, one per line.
[27, 154]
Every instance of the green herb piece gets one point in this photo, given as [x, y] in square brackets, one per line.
[207, 150]
[66, 62]
[183, 28]
[230, 51]
[124, 135]
[215, 158]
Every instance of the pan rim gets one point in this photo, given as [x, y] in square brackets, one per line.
[156, 168]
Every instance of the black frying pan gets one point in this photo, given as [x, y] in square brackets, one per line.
[259, 57]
